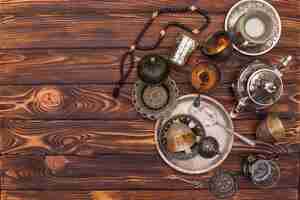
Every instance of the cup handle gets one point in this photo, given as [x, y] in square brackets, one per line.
[238, 108]
[245, 44]
[237, 39]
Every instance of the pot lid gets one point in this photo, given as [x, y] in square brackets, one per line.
[153, 69]
[265, 87]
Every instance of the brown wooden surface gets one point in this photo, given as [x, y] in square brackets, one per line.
[95, 101]
[243, 194]
[69, 66]
[133, 171]
[62, 135]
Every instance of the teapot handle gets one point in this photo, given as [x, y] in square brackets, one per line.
[239, 107]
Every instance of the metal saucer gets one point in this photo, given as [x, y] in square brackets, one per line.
[154, 106]
[198, 164]
[244, 6]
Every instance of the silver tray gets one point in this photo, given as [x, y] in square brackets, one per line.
[245, 6]
[197, 164]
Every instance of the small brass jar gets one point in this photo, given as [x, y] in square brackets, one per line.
[271, 129]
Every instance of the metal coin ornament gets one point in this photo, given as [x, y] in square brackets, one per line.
[155, 96]
[223, 185]
[259, 85]
[153, 69]
[185, 46]
[205, 77]
[153, 101]
[209, 147]
[180, 136]
[262, 173]
[218, 46]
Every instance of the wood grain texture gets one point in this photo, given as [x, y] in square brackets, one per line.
[67, 66]
[244, 194]
[96, 137]
[96, 102]
[107, 30]
[286, 8]
[78, 137]
[116, 172]
[64, 136]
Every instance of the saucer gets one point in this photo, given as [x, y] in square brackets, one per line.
[245, 6]
[196, 164]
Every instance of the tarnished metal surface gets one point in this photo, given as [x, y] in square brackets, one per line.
[198, 164]
[154, 101]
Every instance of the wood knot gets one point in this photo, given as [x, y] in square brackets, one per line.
[56, 163]
[50, 99]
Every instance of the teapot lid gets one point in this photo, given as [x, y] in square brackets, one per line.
[265, 87]
[153, 69]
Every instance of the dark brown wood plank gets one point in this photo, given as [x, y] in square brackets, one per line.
[96, 102]
[127, 6]
[67, 66]
[115, 172]
[244, 194]
[107, 30]
[93, 137]
[77, 137]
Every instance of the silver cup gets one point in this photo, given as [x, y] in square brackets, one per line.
[253, 29]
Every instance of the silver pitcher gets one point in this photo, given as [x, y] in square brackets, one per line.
[259, 85]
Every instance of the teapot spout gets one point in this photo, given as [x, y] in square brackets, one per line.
[284, 62]
[239, 107]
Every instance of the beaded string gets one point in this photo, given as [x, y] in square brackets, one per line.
[136, 45]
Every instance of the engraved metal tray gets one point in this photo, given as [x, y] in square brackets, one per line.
[198, 164]
[151, 114]
[244, 6]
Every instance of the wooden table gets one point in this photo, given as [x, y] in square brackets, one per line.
[62, 134]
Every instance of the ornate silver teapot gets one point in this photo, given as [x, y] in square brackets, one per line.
[259, 85]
